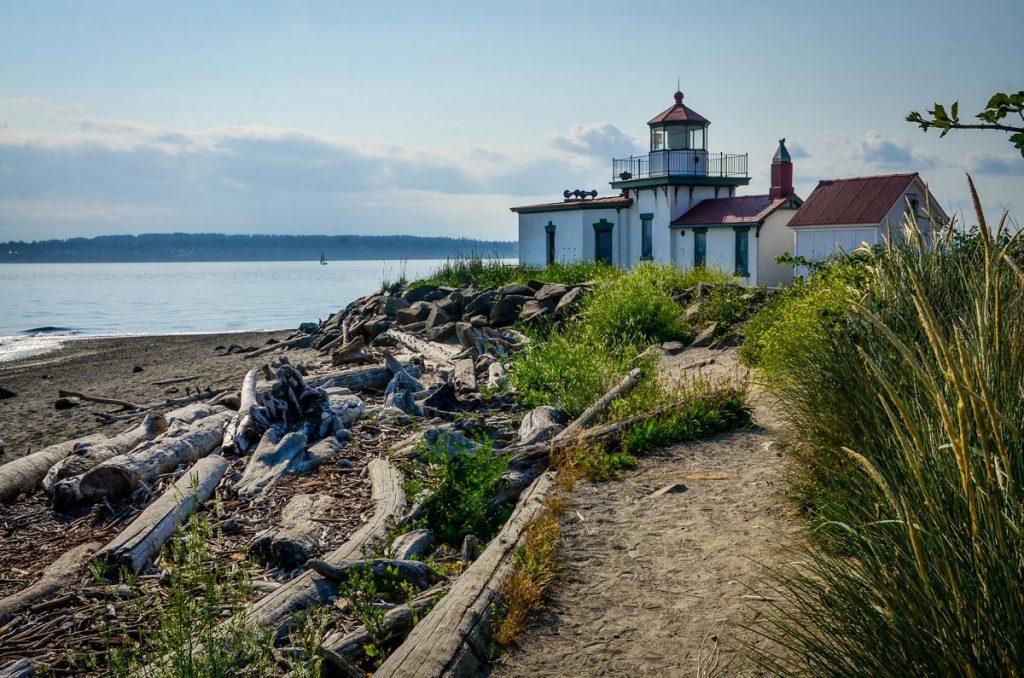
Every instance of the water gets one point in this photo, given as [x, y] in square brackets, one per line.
[42, 305]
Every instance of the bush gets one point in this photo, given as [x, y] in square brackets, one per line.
[635, 309]
[704, 413]
[726, 305]
[465, 485]
[483, 273]
[906, 428]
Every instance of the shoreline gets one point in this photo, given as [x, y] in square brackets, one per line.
[105, 366]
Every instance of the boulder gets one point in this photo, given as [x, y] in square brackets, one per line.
[66, 403]
[441, 332]
[706, 336]
[436, 318]
[412, 545]
[540, 425]
[347, 408]
[672, 347]
[444, 399]
[553, 291]
[417, 311]
[568, 303]
[534, 310]
[692, 311]
[515, 289]
[452, 304]
[376, 327]
[308, 328]
[535, 284]
[480, 305]
[479, 321]
[506, 309]
[420, 293]
[392, 305]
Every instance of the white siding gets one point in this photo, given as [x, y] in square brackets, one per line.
[775, 239]
[574, 235]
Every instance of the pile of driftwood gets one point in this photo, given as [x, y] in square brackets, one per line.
[421, 356]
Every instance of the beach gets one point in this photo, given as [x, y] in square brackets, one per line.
[106, 367]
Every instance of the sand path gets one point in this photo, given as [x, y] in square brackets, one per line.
[664, 585]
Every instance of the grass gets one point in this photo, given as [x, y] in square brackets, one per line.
[488, 273]
[463, 487]
[536, 570]
[906, 428]
[186, 632]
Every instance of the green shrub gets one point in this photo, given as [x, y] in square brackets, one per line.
[635, 309]
[726, 305]
[488, 273]
[906, 428]
[465, 485]
[706, 412]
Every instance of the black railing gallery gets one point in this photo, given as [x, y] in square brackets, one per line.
[668, 163]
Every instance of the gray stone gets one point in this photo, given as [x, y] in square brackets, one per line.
[419, 293]
[534, 311]
[309, 328]
[672, 347]
[479, 321]
[568, 303]
[506, 309]
[515, 289]
[66, 403]
[412, 545]
[553, 291]
[452, 304]
[392, 305]
[480, 305]
[535, 284]
[416, 312]
[706, 336]
[441, 332]
[436, 318]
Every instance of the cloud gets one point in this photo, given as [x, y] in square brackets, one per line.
[1009, 163]
[602, 139]
[88, 176]
[891, 153]
[797, 151]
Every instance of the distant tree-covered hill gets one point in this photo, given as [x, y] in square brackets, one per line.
[219, 247]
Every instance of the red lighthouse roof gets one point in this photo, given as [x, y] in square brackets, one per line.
[679, 113]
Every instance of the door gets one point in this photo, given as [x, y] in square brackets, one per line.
[603, 246]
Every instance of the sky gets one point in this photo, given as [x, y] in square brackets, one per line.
[435, 118]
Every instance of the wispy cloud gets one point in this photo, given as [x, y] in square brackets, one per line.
[603, 140]
[1009, 163]
[891, 153]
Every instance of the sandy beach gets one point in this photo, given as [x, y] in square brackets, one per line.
[106, 367]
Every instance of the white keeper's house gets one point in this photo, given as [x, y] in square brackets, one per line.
[677, 204]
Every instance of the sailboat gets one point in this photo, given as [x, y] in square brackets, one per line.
[323, 259]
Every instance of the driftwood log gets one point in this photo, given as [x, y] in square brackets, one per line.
[245, 429]
[19, 668]
[85, 458]
[141, 541]
[183, 443]
[442, 354]
[99, 399]
[465, 375]
[270, 461]
[600, 405]
[496, 376]
[360, 378]
[452, 640]
[279, 345]
[340, 648]
[298, 534]
[539, 424]
[414, 544]
[277, 610]
[23, 475]
[417, 573]
[61, 573]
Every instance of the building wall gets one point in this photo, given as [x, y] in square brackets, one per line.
[776, 238]
[666, 203]
[574, 235]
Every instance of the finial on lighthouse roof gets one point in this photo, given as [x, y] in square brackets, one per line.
[679, 98]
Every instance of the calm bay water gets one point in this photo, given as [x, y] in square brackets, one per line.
[177, 298]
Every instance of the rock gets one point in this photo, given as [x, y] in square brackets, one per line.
[535, 284]
[436, 318]
[672, 347]
[540, 425]
[515, 289]
[706, 336]
[470, 548]
[137, 369]
[692, 311]
[452, 304]
[481, 305]
[444, 399]
[5, 394]
[441, 332]
[568, 303]
[506, 309]
[479, 321]
[449, 443]
[372, 329]
[347, 408]
[412, 545]
[66, 403]
[343, 436]
[552, 291]
[419, 293]
[416, 312]
[392, 305]
[344, 462]
[415, 327]
[326, 338]
[309, 328]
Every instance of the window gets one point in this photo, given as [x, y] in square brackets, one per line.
[700, 247]
[646, 241]
[914, 202]
[549, 231]
[742, 252]
[697, 138]
[657, 139]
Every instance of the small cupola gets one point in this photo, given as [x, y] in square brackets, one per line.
[782, 173]
[679, 128]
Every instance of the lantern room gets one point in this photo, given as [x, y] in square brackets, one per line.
[679, 128]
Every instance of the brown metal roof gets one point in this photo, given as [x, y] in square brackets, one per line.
[860, 200]
[610, 202]
[678, 113]
[747, 209]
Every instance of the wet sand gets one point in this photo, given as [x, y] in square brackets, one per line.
[106, 367]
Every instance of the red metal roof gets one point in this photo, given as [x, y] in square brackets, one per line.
[678, 113]
[610, 202]
[860, 200]
[747, 209]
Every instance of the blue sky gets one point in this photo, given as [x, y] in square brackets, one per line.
[434, 118]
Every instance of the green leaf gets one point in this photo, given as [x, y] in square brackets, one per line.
[955, 111]
[940, 113]
[1018, 141]
[998, 99]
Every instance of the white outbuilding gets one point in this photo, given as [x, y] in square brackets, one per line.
[675, 205]
[842, 214]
